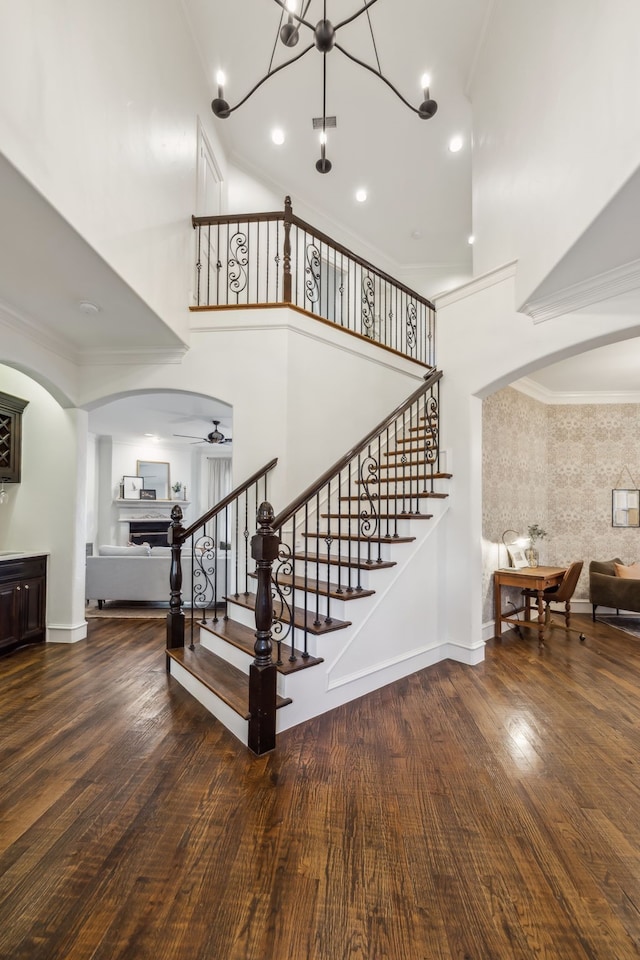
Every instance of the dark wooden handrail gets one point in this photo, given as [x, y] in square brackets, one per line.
[291, 217]
[340, 464]
[227, 500]
[324, 238]
[237, 218]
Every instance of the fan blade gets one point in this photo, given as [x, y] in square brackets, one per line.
[189, 436]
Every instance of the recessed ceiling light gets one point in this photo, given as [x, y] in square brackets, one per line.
[277, 136]
[471, 240]
[361, 195]
[416, 234]
[89, 308]
[456, 144]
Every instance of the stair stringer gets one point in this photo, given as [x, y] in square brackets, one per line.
[422, 639]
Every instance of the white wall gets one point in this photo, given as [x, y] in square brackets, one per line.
[556, 127]
[300, 390]
[46, 511]
[484, 345]
[98, 109]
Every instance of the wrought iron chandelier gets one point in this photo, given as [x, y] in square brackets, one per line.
[324, 40]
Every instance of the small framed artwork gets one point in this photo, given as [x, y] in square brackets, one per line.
[131, 487]
[147, 494]
[517, 557]
[625, 508]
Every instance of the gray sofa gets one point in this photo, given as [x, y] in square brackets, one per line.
[608, 590]
[140, 573]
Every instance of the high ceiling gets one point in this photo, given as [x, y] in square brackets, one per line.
[418, 211]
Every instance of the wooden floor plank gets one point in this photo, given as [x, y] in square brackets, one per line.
[487, 813]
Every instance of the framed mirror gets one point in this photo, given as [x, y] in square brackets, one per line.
[155, 474]
[625, 508]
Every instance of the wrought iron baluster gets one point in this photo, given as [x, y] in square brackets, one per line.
[198, 263]
[317, 620]
[226, 566]
[349, 536]
[339, 565]
[329, 541]
[237, 551]
[305, 541]
[215, 579]
[246, 542]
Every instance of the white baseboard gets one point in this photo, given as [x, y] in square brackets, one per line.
[66, 633]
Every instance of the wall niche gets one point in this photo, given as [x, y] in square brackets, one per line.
[11, 409]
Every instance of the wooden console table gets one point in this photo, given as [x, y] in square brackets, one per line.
[529, 578]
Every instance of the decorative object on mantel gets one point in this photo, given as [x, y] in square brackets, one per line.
[131, 487]
[156, 477]
[625, 502]
[531, 553]
[178, 493]
[515, 544]
[324, 39]
[4, 496]
[11, 409]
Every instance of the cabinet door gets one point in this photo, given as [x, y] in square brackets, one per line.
[9, 614]
[32, 602]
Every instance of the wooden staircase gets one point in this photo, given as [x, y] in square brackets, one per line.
[325, 583]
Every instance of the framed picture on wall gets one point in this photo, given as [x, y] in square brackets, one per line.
[131, 487]
[625, 508]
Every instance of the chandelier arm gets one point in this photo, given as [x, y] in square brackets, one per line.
[376, 73]
[295, 16]
[275, 42]
[272, 73]
[354, 16]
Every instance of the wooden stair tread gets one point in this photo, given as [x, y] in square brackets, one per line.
[341, 561]
[301, 618]
[223, 679]
[400, 467]
[244, 638]
[357, 537]
[422, 494]
[379, 516]
[322, 587]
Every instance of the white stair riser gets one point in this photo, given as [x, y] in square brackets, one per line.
[228, 717]
[238, 658]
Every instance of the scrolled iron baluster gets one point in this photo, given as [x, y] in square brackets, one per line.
[238, 260]
[368, 305]
[369, 521]
[412, 325]
[281, 593]
[204, 571]
[312, 273]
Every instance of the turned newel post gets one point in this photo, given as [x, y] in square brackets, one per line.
[262, 674]
[175, 617]
[286, 266]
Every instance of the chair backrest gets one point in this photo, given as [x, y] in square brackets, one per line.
[569, 582]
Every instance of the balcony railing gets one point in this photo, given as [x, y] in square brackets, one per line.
[275, 259]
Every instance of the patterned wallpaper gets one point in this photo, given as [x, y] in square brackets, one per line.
[556, 465]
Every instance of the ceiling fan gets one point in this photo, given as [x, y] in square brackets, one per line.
[216, 436]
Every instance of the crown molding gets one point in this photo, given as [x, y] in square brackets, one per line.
[133, 356]
[604, 286]
[24, 326]
[506, 272]
[558, 397]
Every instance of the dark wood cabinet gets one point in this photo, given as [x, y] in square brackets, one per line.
[23, 591]
[11, 409]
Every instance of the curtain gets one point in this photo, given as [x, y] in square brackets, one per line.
[218, 486]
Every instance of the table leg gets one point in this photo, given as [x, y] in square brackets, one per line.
[540, 616]
[497, 605]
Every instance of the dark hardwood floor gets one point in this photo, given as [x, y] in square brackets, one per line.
[485, 813]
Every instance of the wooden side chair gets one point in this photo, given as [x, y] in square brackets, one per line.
[562, 593]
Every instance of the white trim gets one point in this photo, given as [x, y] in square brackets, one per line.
[66, 632]
[135, 356]
[23, 325]
[535, 390]
[604, 286]
[506, 272]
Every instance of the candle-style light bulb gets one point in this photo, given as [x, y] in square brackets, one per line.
[221, 80]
